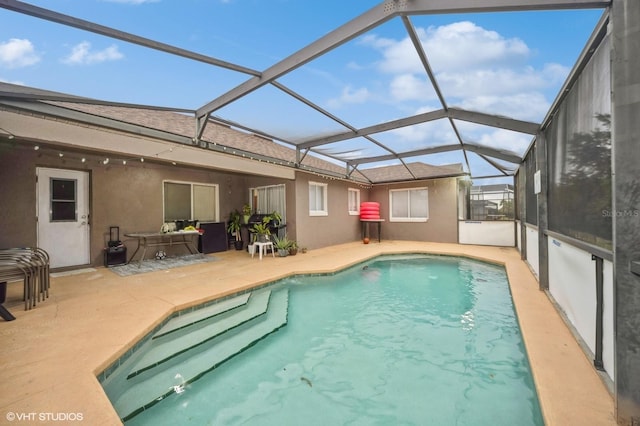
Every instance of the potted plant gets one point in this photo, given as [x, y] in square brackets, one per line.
[262, 230]
[282, 245]
[246, 212]
[274, 218]
[234, 228]
[293, 248]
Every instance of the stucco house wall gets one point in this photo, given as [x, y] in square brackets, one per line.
[128, 196]
[335, 228]
[442, 224]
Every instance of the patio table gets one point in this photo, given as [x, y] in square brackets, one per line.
[162, 239]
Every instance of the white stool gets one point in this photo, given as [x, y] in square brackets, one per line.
[262, 248]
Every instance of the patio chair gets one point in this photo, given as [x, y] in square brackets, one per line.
[14, 270]
[30, 264]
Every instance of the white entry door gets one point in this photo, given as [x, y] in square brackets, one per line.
[63, 216]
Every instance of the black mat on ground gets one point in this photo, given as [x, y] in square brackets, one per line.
[152, 265]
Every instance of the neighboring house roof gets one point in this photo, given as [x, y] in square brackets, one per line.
[182, 124]
[492, 188]
[412, 171]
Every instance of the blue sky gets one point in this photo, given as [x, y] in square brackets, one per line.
[510, 64]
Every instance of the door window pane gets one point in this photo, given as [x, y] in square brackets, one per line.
[63, 200]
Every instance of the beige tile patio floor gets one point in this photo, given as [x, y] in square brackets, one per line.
[51, 354]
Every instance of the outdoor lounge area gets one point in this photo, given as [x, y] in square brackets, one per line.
[146, 168]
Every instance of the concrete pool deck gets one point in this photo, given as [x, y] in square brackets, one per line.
[52, 353]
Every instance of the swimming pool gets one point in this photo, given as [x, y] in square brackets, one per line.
[409, 339]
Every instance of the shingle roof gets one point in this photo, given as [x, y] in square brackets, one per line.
[184, 125]
[492, 188]
[419, 170]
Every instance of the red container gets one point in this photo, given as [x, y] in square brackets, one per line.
[370, 210]
[370, 216]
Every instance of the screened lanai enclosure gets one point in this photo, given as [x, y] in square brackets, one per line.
[421, 94]
[445, 128]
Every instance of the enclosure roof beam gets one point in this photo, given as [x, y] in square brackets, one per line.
[325, 112]
[502, 169]
[59, 112]
[81, 24]
[376, 16]
[495, 121]
[418, 152]
[335, 38]
[383, 127]
[504, 155]
[428, 7]
[5, 95]
[417, 45]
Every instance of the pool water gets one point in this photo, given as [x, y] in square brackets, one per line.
[400, 340]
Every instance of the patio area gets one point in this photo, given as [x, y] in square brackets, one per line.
[51, 354]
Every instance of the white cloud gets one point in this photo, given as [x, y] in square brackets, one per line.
[350, 96]
[411, 87]
[499, 81]
[353, 65]
[18, 53]
[523, 106]
[464, 44]
[507, 140]
[81, 54]
[425, 134]
[475, 68]
[450, 47]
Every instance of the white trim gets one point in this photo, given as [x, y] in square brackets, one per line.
[216, 201]
[407, 219]
[357, 192]
[325, 199]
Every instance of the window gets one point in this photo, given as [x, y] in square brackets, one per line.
[190, 201]
[267, 199]
[409, 205]
[318, 199]
[63, 200]
[354, 201]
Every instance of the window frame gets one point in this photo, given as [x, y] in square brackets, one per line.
[254, 199]
[408, 191]
[216, 200]
[355, 191]
[54, 203]
[325, 199]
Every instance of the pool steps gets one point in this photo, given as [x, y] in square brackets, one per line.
[181, 352]
[170, 345]
[202, 314]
